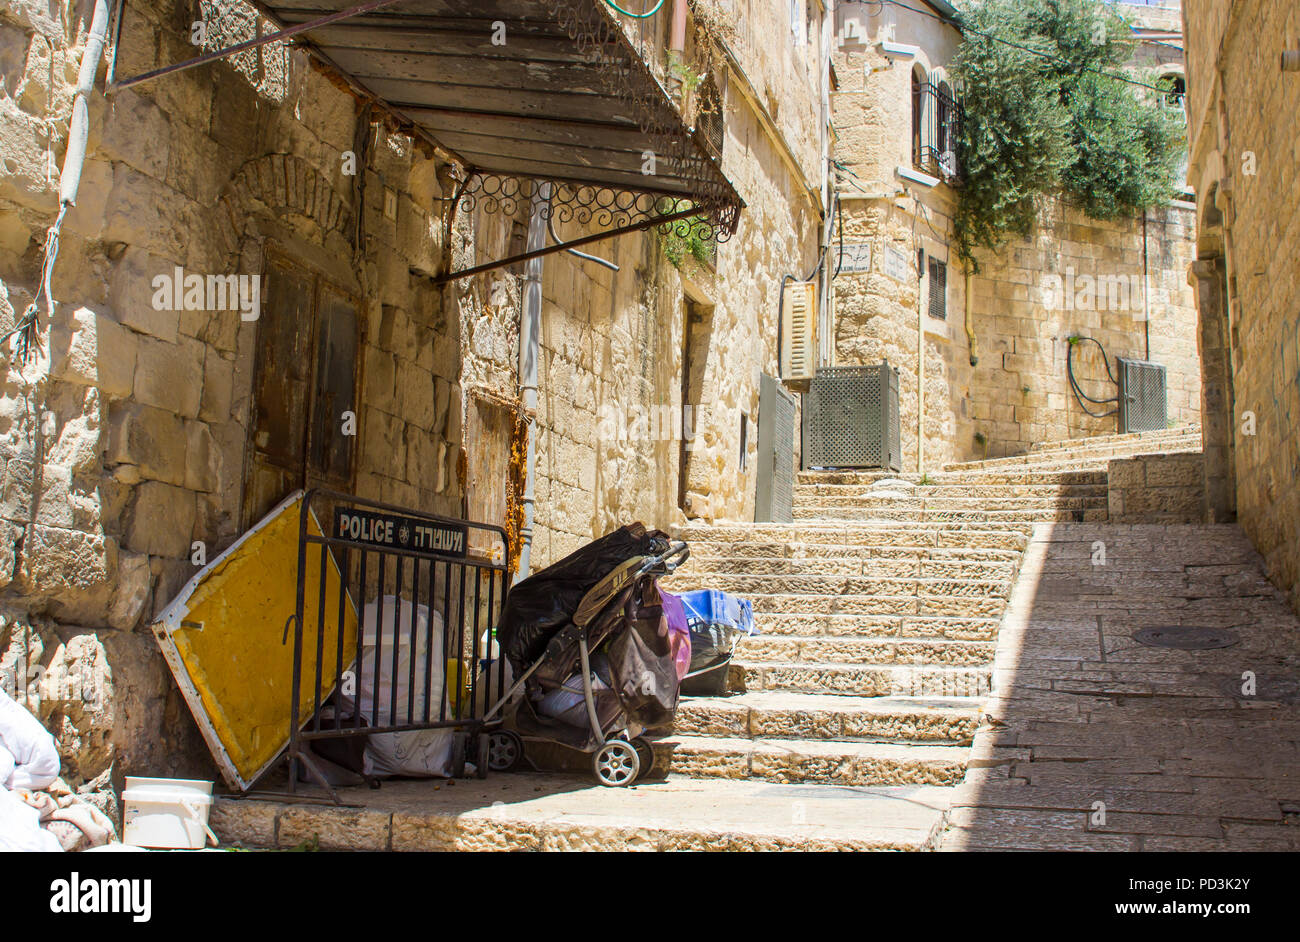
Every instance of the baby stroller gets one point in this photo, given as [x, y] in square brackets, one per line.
[589, 641]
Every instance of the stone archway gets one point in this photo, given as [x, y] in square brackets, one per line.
[289, 189]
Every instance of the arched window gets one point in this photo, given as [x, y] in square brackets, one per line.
[1174, 94]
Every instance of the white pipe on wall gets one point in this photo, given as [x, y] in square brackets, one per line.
[79, 125]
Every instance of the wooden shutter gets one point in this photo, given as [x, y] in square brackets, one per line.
[938, 288]
[799, 330]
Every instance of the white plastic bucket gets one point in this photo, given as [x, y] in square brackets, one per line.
[170, 813]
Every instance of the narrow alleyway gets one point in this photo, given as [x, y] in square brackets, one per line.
[943, 665]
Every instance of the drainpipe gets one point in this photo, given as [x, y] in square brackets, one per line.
[25, 331]
[969, 323]
[920, 370]
[678, 43]
[530, 340]
[1146, 289]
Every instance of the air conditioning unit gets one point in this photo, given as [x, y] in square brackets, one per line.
[798, 331]
[1143, 404]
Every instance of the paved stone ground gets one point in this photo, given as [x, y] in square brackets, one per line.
[1084, 713]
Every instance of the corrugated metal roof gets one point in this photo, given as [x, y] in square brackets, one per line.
[521, 88]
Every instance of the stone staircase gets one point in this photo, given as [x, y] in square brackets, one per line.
[851, 722]
[879, 609]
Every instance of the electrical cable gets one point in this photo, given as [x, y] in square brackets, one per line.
[550, 228]
[636, 16]
[1079, 394]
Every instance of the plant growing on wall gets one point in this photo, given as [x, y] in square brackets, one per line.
[680, 240]
[1046, 115]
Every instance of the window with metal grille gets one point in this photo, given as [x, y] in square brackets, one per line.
[710, 116]
[938, 288]
[936, 126]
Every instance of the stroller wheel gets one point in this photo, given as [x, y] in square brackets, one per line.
[645, 752]
[616, 763]
[505, 749]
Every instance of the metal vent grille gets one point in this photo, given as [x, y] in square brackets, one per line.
[774, 499]
[1143, 405]
[850, 418]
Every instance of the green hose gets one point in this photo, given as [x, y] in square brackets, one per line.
[638, 16]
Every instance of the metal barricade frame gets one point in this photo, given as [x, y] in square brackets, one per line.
[432, 547]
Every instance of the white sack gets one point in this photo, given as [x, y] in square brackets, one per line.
[35, 756]
[420, 752]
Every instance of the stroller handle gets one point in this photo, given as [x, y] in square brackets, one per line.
[669, 558]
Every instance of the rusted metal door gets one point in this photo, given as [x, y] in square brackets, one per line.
[305, 417]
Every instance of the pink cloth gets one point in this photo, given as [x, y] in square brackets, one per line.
[679, 635]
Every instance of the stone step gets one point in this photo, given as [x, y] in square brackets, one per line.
[860, 680]
[1119, 440]
[838, 586]
[958, 605]
[780, 715]
[991, 477]
[539, 811]
[812, 761]
[1080, 460]
[941, 534]
[838, 649]
[962, 568]
[953, 489]
[923, 504]
[876, 626]
[886, 513]
[713, 550]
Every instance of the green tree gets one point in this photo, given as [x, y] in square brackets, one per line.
[1045, 117]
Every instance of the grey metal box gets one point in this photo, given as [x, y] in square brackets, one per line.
[1143, 403]
[774, 499]
[850, 418]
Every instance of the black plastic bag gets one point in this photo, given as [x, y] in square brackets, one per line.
[542, 604]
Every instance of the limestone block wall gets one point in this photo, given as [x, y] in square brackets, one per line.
[1157, 489]
[992, 373]
[124, 442]
[1244, 168]
[614, 348]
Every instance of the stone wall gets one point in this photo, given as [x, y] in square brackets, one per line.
[1244, 168]
[1157, 489]
[994, 368]
[126, 439]
[614, 344]
[125, 445]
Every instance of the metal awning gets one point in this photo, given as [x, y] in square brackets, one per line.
[522, 93]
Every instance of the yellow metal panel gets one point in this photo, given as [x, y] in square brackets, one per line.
[223, 640]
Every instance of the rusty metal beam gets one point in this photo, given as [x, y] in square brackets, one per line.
[565, 246]
[277, 36]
